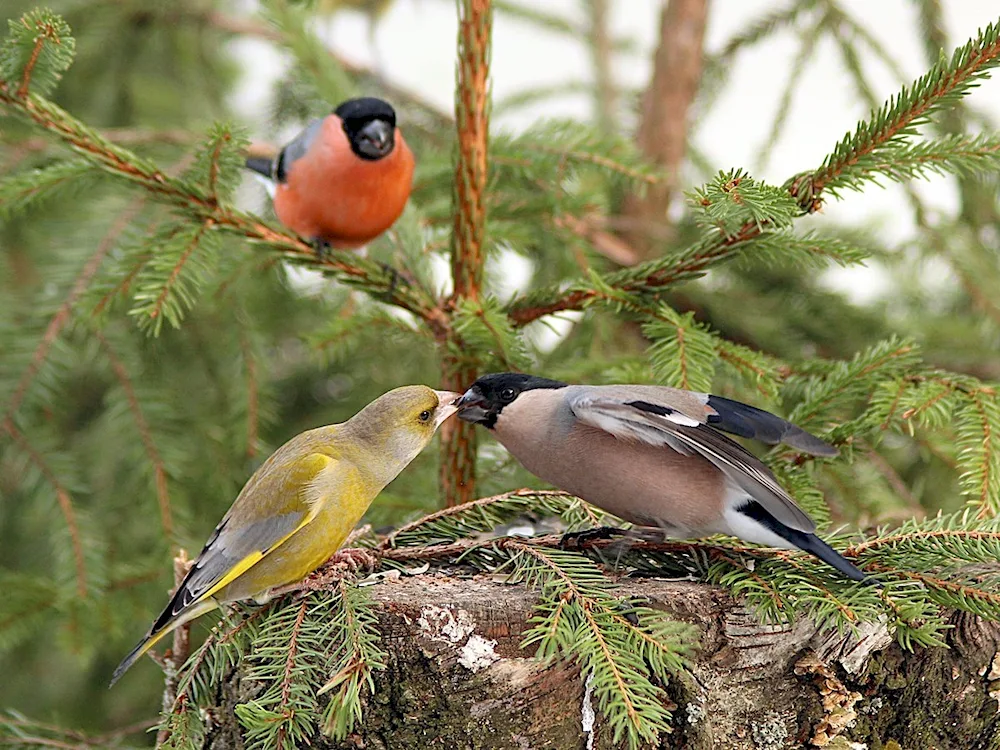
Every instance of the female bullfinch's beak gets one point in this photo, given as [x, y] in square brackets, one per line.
[374, 140]
[447, 401]
[470, 405]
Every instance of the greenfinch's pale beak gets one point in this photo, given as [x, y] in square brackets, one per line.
[446, 406]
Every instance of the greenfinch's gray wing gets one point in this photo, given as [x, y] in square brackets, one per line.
[274, 504]
[271, 508]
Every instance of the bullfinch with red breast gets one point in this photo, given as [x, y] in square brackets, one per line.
[654, 456]
[345, 179]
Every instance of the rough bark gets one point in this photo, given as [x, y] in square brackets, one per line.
[750, 686]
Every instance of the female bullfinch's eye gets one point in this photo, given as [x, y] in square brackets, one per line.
[424, 415]
[507, 394]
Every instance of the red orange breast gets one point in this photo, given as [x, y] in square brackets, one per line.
[334, 195]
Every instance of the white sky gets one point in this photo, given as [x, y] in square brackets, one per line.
[416, 45]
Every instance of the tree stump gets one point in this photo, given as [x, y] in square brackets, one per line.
[457, 678]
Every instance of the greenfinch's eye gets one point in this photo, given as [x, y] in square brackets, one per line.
[424, 415]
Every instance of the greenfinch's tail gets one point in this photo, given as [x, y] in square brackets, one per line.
[154, 636]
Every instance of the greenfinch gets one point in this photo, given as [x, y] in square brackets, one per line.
[300, 505]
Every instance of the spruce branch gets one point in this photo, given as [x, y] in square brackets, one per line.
[875, 141]
[145, 434]
[20, 731]
[63, 497]
[358, 656]
[579, 619]
[64, 313]
[37, 52]
[199, 205]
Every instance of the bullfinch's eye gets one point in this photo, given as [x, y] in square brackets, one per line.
[507, 394]
[424, 416]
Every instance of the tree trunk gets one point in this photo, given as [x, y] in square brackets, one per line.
[457, 678]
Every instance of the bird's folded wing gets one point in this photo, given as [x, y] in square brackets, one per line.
[264, 516]
[296, 149]
[655, 424]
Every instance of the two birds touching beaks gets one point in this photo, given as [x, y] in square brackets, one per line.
[652, 455]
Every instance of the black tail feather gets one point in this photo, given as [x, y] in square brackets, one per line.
[806, 542]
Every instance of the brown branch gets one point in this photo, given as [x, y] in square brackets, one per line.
[521, 314]
[62, 496]
[19, 149]
[458, 439]
[588, 228]
[145, 434]
[602, 60]
[663, 129]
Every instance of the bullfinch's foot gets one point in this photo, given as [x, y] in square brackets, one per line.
[322, 248]
[576, 540]
[397, 278]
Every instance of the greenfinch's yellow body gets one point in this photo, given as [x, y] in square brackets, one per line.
[300, 505]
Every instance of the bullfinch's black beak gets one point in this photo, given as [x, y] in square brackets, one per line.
[375, 139]
[470, 406]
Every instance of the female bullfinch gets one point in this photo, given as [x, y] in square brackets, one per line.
[346, 178]
[654, 456]
[300, 505]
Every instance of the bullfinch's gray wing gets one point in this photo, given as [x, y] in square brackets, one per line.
[725, 414]
[278, 168]
[662, 425]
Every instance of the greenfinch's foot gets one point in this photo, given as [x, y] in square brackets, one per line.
[355, 559]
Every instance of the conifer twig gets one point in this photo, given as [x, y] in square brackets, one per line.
[145, 434]
[62, 496]
[947, 79]
[62, 315]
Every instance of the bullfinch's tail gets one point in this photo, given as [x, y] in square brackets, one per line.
[260, 165]
[804, 541]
